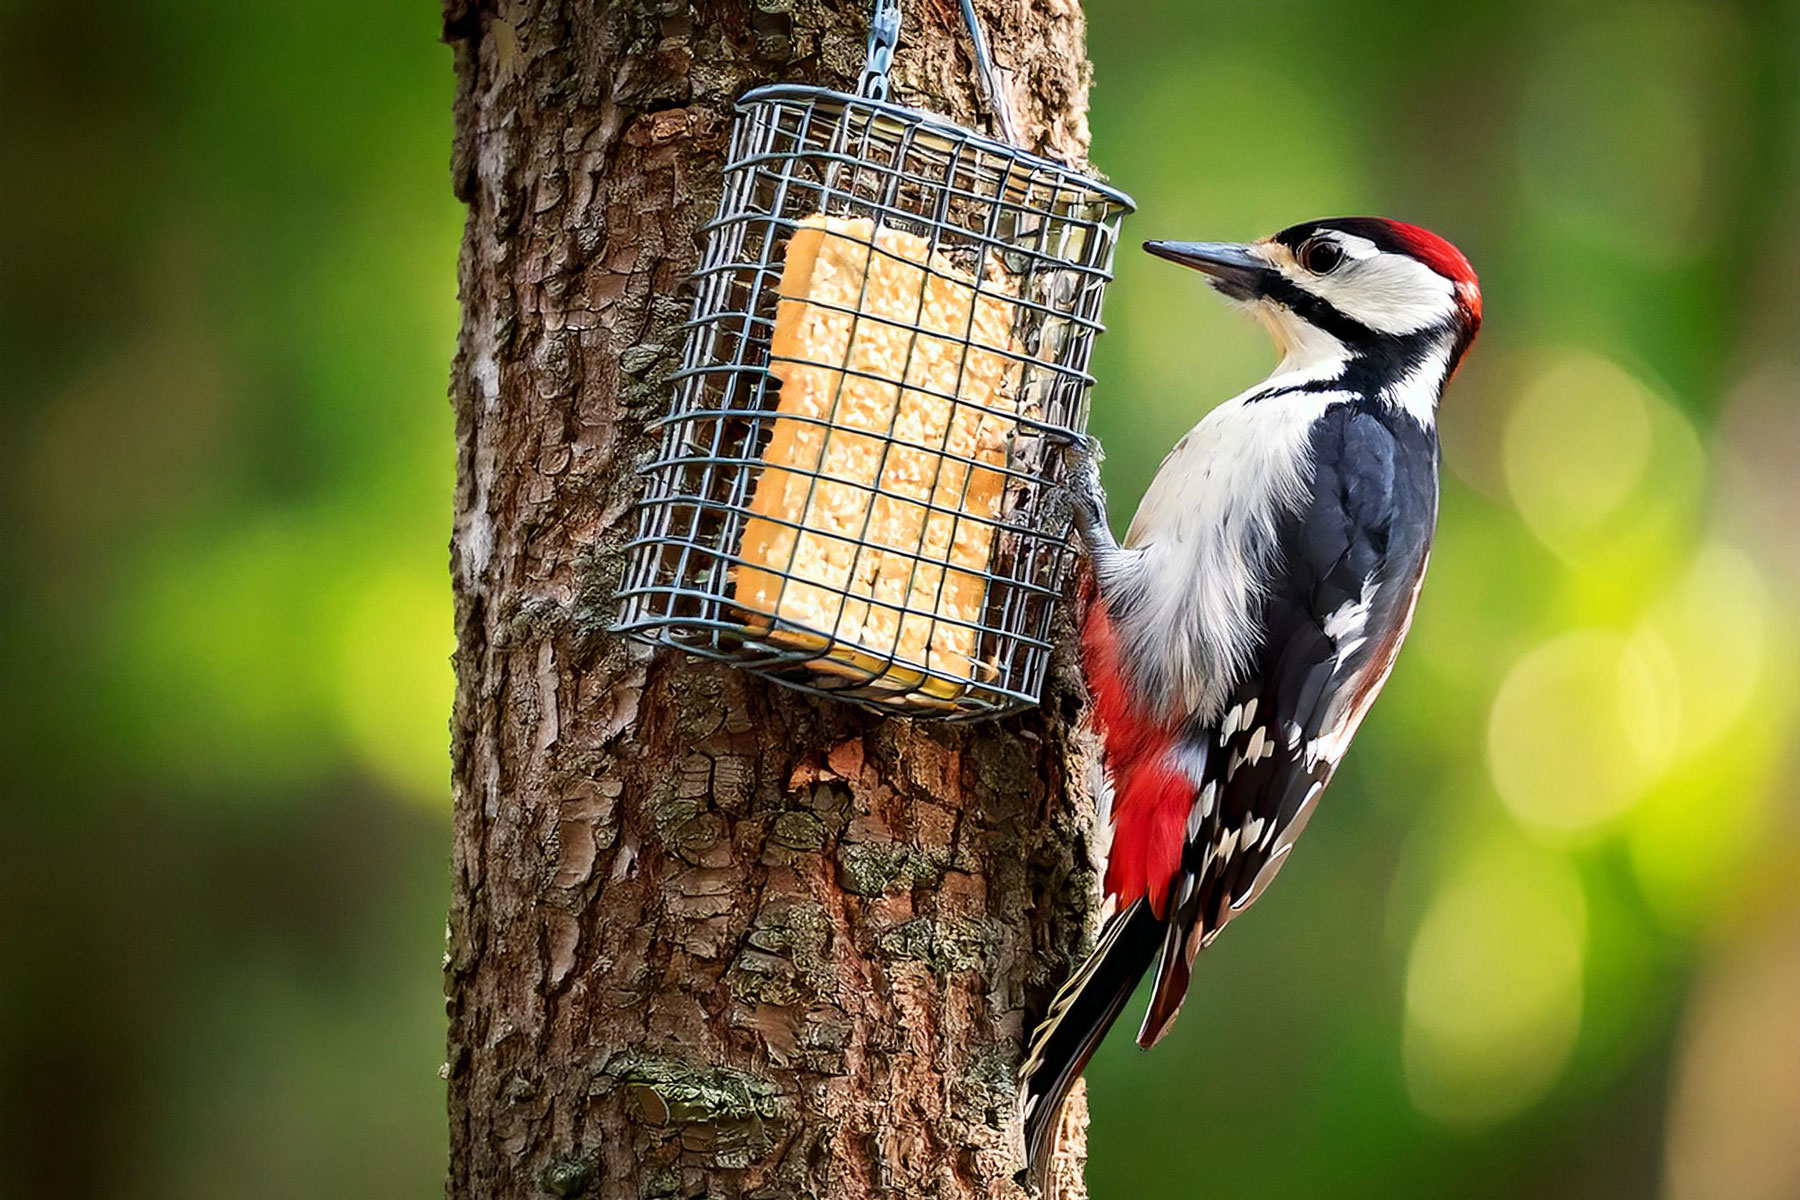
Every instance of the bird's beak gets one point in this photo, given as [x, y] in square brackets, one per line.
[1238, 271]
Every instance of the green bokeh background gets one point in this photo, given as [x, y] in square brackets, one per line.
[1543, 939]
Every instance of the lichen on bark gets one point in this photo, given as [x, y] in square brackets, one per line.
[707, 937]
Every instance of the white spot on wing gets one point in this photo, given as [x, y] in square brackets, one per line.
[1261, 881]
[1351, 619]
[1294, 828]
[1329, 746]
[1259, 747]
[1188, 885]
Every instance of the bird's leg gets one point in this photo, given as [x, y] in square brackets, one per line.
[1082, 459]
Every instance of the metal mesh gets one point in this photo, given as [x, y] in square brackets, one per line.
[870, 512]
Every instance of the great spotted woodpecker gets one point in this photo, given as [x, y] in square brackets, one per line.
[1236, 638]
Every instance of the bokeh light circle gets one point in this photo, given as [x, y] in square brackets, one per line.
[1576, 446]
[1494, 985]
[1579, 727]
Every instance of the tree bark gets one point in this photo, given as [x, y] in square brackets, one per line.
[708, 936]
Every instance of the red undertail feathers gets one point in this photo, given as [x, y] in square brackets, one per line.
[1151, 796]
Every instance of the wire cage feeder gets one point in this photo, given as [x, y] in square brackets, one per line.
[857, 490]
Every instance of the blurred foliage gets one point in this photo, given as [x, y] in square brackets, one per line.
[1539, 940]
[228, 251]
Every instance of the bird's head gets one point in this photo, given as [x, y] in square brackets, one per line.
[1347, 288]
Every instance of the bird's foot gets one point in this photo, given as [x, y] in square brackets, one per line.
[1081, 461]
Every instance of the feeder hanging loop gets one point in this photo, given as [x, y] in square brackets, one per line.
[884, 35]
[990, 77]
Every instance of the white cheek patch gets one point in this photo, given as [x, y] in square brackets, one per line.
[1390, 293]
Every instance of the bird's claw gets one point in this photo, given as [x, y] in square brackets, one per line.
[1081, 459]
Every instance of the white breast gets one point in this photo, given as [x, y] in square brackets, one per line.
[1203, 536]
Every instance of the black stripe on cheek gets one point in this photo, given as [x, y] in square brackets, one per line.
[1315, 310]
[1376, 359]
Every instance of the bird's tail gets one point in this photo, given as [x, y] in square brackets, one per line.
[1079, 1017]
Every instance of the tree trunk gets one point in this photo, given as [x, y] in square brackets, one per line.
[708, 936]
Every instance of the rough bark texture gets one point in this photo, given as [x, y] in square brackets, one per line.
[708, 937]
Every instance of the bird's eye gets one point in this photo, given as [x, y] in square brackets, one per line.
[1321, 256]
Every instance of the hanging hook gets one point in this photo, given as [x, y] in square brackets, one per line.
[884, 36]
[990, 77]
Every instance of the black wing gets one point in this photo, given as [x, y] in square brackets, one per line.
[1346, 570]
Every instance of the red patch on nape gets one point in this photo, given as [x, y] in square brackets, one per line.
[1443, 258]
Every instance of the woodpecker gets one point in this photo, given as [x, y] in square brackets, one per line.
[1234, 641]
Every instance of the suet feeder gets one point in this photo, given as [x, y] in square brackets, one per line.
[857, 482]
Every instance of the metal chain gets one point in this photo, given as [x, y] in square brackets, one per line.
[884, 35]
